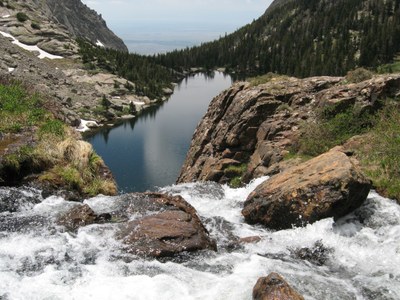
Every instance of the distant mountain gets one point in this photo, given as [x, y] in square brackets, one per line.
[304, 38]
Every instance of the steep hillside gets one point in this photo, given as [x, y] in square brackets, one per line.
[84, 22]
[304, 38]
[51, 20]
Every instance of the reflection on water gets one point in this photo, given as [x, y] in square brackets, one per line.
[148, 151]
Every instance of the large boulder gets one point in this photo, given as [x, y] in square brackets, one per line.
[330, 185]
[274, 287]
[169, 226]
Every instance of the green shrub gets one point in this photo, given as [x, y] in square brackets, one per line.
[358, 75]
[236, 182]
[319, 137]
[22, 17]
[35, 25]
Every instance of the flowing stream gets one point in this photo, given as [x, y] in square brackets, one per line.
[357, 257]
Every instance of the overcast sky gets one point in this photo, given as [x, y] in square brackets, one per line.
[191, 20]
[119, 12]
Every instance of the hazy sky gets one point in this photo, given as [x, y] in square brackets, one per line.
[186, 21]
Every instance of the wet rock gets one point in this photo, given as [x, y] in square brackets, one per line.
[81, 215]
[12, 223]
[330, 185]
[318, 254]
[274, 287]
[13, 199]
[173, 229]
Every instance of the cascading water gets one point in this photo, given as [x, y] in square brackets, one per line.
[357, 257]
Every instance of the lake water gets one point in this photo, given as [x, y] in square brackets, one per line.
[148, 151]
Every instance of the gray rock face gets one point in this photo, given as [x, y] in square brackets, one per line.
[255, 126]
[84, 22]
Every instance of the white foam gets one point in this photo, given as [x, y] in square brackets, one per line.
[42, 53]
[52, 264]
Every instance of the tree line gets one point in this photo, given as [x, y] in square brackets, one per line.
[303, 38]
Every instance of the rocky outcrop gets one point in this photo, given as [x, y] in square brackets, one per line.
[168, 226]
[330, 185]
[54, 25]
[83, 22]
[254, 126]
[274, 287]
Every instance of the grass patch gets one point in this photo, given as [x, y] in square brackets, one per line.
[255, 81]
[380, 156]
[235, 173]
[55, 154]
[18, 108]
[390, 68]
[329, 131]
[52, 128]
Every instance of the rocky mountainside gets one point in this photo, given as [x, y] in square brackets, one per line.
[304, 38]
[53, 64]
[53, 25]
[83, 22]
[250, 129]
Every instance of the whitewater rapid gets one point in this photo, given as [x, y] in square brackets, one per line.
[40, 260]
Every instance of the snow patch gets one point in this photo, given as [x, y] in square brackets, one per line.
[86, 125]
[42, 54]
[100, 44]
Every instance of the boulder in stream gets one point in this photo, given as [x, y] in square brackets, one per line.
[274, 287]
[170, 226]
[330, 185]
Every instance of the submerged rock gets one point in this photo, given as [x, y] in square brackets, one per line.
[173, 229]
[81, 215]
[318, 254]
[330, 185]
[274, 287]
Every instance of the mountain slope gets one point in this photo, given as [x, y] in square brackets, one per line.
[54, 25]
[84, 22]
[304, 38]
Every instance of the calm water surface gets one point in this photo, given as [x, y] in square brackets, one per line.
[149, 151]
